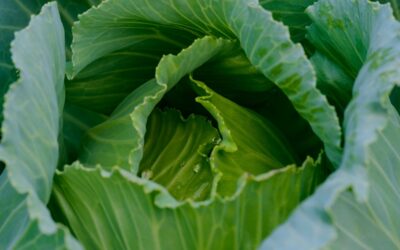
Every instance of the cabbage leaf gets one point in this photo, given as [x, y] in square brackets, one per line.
[29, 147]
[357, 206]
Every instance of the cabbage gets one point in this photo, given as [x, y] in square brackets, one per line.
[199, 124]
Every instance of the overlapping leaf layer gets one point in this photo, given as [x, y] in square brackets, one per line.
[200, 124]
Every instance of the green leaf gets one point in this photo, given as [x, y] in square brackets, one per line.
[292, 14]
[233, 76]
[175, 154]
[69, 11]
[14, 16]
[241, 151]
[76, 122]
[396, 8]
[29, 146]
[357, 207]
[333, 81]
[227, 75]
[119, 140]
[120, 24]
[343, 41]
[395, 5]
[105, 82]
[342, 46]
[134, 213]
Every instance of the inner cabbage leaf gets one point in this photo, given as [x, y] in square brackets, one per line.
[176, 153]
[120, 24]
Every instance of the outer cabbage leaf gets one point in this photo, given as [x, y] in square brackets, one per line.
[292, 13]
[135, 213]
[357, 207]
[333, 82]
[29, 146]
[337, 71]
[395, 5]
[341, 51]
[14, 16]
[120, 24]
[343, 42]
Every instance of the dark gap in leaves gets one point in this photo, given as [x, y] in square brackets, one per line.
[57, 213]
[2, 167]
[182, 97]
[278, 109]
[395, 98]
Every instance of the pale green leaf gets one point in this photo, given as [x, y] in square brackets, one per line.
[395, 6]
[357, 207]
[14, 16]
[343, 41]
[134, 213]
[29, 146]
[333, 82]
